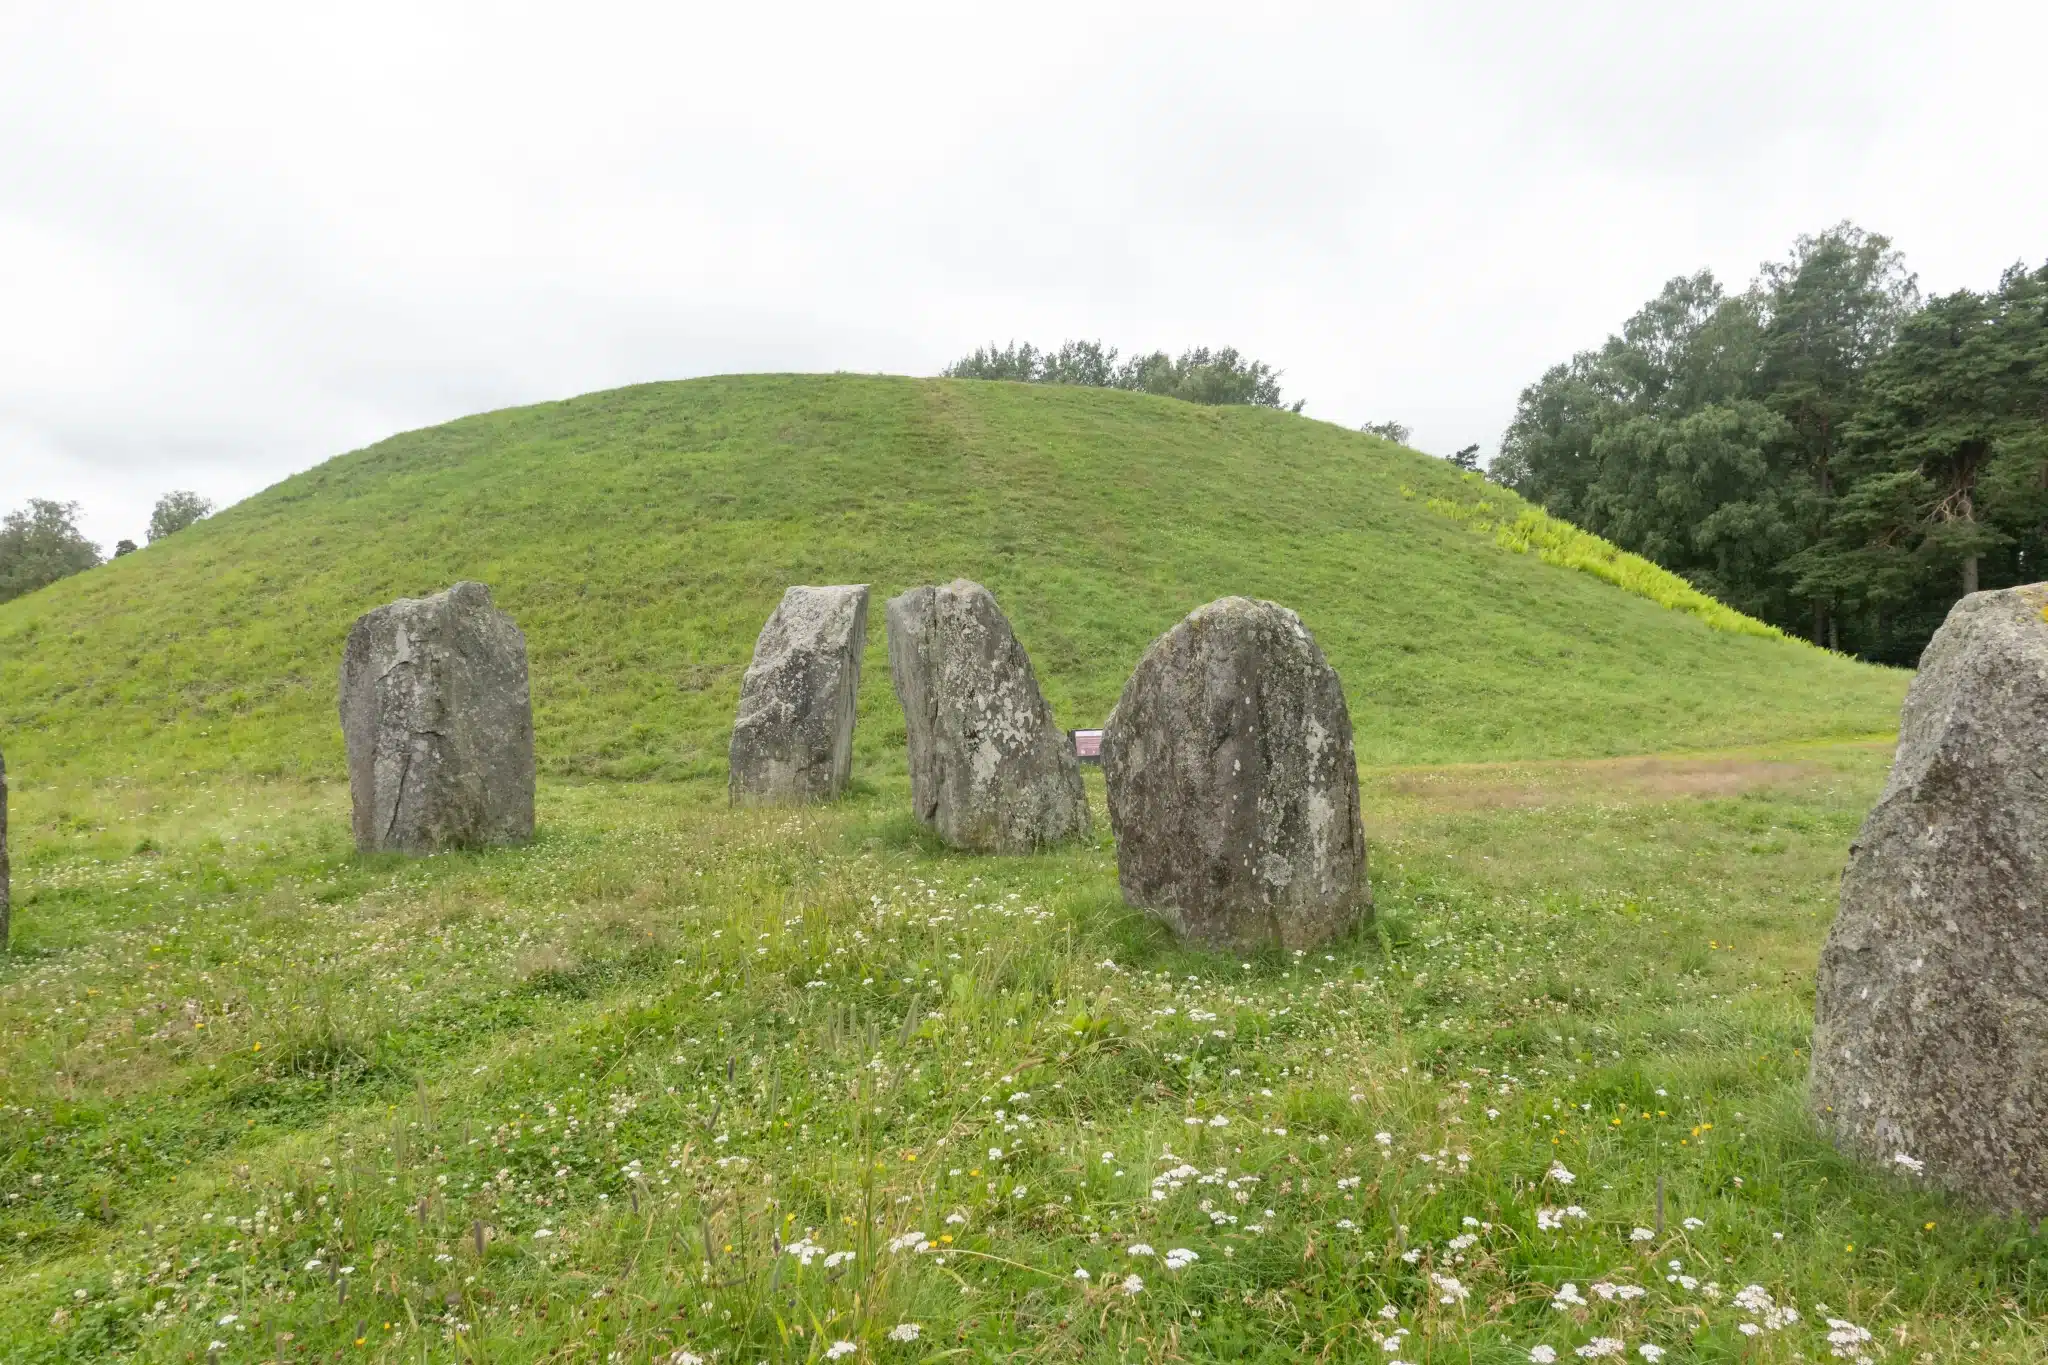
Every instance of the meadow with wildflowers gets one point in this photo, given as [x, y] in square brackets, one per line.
[677, 1083]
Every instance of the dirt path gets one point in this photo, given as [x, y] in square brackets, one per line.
[1646, 777]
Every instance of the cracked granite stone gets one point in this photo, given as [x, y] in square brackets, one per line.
[1930, 1037]
[990, 771]
[1233, 789]
[438, 725]
[792, 742]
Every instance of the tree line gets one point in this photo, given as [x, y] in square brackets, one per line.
[1199, 375]
[41, 543]
[1826, 450]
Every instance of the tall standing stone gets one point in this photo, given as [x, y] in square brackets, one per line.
[1233, 790]
[989, 768]
[793, 740]
[1930, 1036]
[438, 724]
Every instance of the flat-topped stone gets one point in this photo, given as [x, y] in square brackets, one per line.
[438, 724]
[1233, 790]
[792, 742]
[1930, 1036]
[990, 770]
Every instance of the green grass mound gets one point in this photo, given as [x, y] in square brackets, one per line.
[641, 536]
[677, 1083]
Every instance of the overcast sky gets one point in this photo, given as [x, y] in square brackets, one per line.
[235, 240]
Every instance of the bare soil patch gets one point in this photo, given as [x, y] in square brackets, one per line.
[1531, 785]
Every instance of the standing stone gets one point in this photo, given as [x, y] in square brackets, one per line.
[438, 724]
[989, 770]
[793, 740]
[1232, 786]
[1930, 1035]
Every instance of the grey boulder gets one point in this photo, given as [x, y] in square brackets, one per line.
[1930, 1038]
[793, 740]
[1233, 789]
[438, 725]
[990, 771]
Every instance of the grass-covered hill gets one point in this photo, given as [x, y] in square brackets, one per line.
[641, 536]
[679, 1083]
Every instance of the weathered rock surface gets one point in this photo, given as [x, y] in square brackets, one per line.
[793, 740]
[989, 769]
[1233, 790]
[438, 724]
[1931, 1020]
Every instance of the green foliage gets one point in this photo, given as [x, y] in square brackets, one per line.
[174, 512]
[1819, 452]
[39, 545]
[1946, 464]
[1515, 525]
[1200, 375]
[1465, 458]
[640, 538]
[1397, 432]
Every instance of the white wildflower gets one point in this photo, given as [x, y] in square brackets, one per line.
[1567, 1296]
[904, 1331]
[1558, 1173]
[1133, 1285]
[1846, 1340]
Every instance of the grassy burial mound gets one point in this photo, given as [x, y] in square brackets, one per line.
[640, 538]
[677, 1082]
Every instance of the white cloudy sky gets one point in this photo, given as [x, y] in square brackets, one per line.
[236, 239]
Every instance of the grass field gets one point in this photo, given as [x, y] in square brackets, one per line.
[679, 1082]
[240, 1058]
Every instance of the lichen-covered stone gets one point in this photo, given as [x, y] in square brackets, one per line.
[793, 740]
[990, 771]
[1930, 1032]
[438, 724]
[1233, 790]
